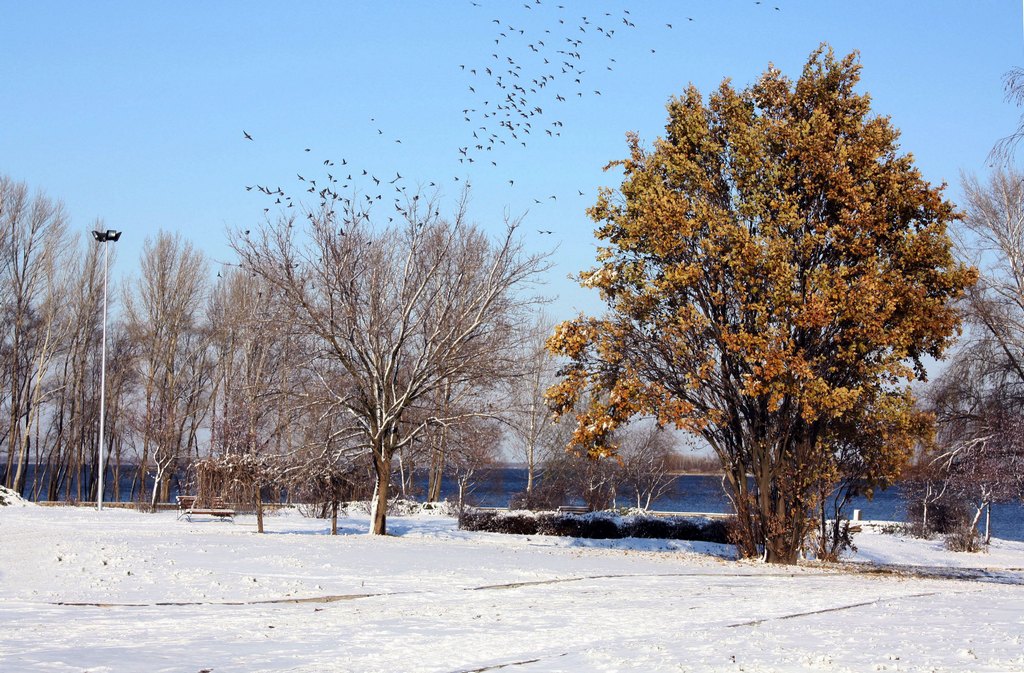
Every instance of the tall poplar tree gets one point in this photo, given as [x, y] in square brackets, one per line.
[776, 270]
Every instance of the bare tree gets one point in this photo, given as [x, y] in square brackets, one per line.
[980, 454]
[1013, 86]
[162, 311]
[979, 398]
[984, 471]
[34, 231]
[255, 365]
[54, 324]
[992, 237]
[646, 458]
[71, 441]
[924, 486]
[395, 314]
[472, 446]
[436, 439]
[533, 431]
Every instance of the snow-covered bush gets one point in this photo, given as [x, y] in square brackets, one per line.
[662, 528]
[718, 531]
[493, 521]
[9, 497]
[595, 525]
[895, 528]
[443, 508]
[402, 507]
[399, 507]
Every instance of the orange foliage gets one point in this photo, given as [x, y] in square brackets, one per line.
[774, 268]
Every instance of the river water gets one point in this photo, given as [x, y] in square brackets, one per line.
[694, 493]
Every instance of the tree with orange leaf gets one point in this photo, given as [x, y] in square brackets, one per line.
[775, 271]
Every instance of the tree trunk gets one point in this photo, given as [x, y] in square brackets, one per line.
[23, 449]
[977, 516]
[379, 505]
[156, 486]
[401, 476]
[258, 501]
[781, 533]
[165, 486]
[116, 481]
[988, 523]
[142, 469]
[436, 472]
[782, 555]
[334, 518]
[529, 470]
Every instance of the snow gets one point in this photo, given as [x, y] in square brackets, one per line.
[118, 590]
[875, 547]
[11, 498]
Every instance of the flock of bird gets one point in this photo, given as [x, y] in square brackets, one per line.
[529, 76]
[532, 74]
[339, 184]
[515, 92]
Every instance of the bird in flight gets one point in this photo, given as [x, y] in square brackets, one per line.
[246, 134]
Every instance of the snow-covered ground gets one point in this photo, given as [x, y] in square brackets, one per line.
[82, 590]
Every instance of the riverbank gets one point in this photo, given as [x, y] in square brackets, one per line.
[120, 590]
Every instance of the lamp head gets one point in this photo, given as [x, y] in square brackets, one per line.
[108, 235]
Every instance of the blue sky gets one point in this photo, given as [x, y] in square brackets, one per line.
[133, 112]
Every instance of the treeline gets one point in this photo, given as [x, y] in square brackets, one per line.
[343, 359]
[51, 287]
[167, 369]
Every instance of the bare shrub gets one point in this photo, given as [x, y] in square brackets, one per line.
[965, 539]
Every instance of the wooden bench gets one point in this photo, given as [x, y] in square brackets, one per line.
[574, 509]
[187, 508]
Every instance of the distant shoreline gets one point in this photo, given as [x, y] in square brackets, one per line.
[696, 473]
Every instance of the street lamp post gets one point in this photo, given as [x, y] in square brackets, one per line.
[103, 237]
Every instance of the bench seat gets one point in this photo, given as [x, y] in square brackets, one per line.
[187, 508]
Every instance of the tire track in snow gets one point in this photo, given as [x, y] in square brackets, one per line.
[270, 601]
[563, 580]
[1012, 576]
[840, 608]
[351, 597]
[921, 572]
[496, 667]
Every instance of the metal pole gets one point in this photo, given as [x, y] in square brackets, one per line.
[103, 382]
